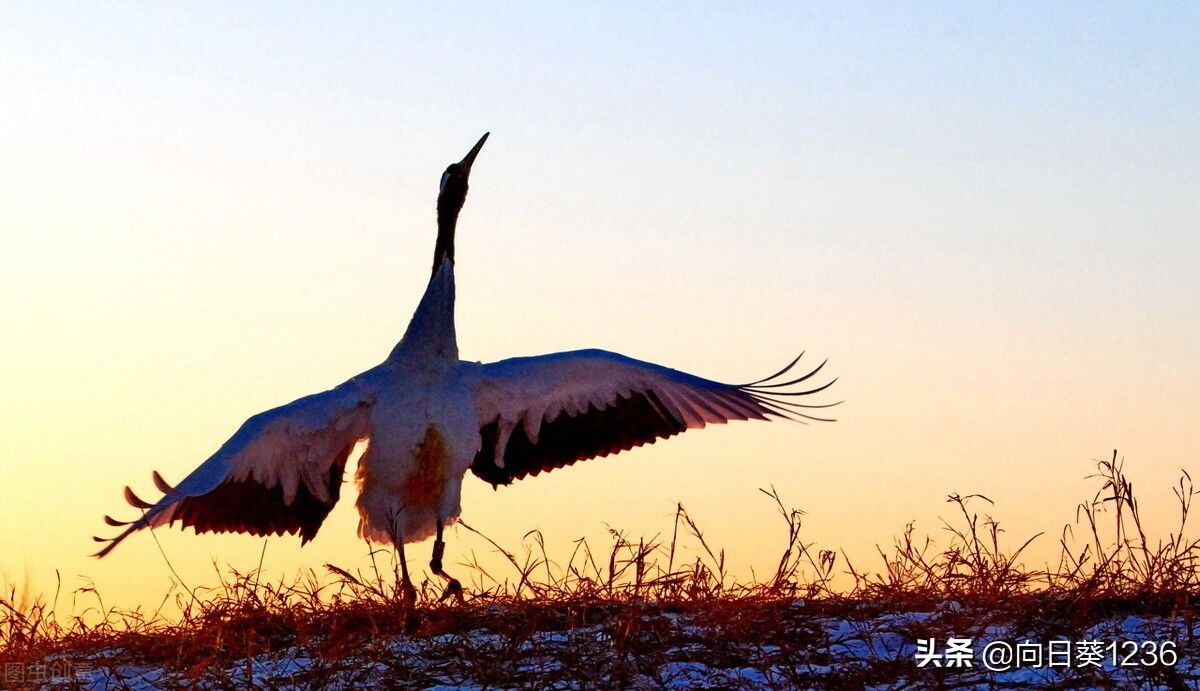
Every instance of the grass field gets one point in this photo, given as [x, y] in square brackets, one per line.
[632, 616]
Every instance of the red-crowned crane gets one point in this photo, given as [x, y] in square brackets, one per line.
[429, 417]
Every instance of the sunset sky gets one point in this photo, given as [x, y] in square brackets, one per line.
[986, 216]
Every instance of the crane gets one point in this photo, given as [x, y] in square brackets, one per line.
[428, 417]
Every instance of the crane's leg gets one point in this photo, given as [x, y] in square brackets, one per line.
[453, 587]
[410, 593]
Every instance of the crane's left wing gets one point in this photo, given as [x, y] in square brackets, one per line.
[546, 412]
[280, 473]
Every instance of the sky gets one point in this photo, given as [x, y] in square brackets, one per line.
[985, 215]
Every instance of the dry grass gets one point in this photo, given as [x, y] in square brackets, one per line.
[621, 616]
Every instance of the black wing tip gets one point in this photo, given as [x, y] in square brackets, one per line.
[163, 486]
[110, 544]
[135, 501]
[777, 375]
[772, 394]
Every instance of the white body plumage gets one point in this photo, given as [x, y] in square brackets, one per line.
[425, 432]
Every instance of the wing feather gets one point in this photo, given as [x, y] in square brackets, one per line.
[280, 473]
[547, 412]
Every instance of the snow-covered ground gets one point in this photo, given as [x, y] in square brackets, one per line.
[665, 650]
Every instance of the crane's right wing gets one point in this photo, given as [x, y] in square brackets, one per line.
[546, 412]
[280, 473]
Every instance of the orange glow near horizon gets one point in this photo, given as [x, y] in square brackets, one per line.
[991, 233]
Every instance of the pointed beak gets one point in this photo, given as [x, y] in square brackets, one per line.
[470, 157]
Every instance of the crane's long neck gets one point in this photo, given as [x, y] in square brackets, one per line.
[450, 202]
[430, 335]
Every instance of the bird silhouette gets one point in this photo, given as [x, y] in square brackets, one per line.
[428, 418]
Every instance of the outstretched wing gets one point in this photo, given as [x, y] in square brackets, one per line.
[546, 412]
[280, 473]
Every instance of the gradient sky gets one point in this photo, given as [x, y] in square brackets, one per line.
[985, 215]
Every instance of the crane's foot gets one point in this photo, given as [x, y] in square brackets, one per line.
[408, 594]
[453, 587]
[408, 603]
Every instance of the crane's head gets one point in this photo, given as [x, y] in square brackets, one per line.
[451, 195]
[453, 190]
